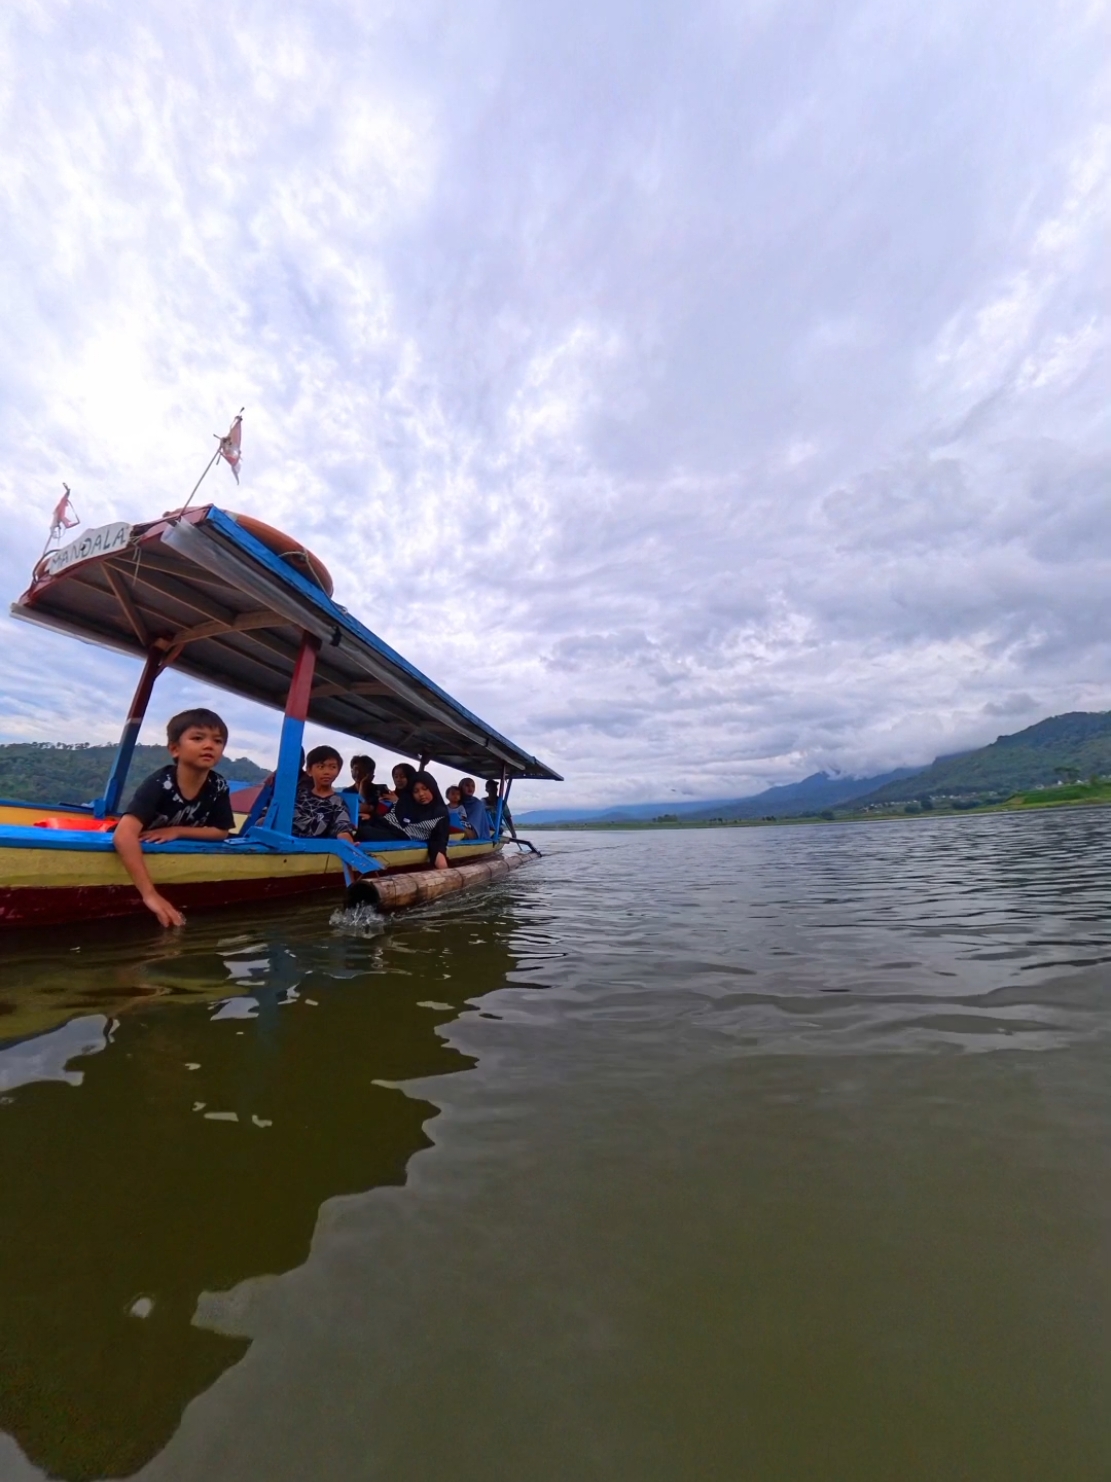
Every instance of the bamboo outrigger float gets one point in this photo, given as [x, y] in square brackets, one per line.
[226, 600]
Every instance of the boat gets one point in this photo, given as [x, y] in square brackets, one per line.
[227, 600]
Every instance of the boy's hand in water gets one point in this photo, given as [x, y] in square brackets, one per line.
[128, 846]
[167, 913]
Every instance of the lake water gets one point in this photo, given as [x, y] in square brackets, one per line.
[772, 1154]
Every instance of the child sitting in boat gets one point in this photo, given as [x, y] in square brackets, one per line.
[493, 796]
[371, 804]
[184, 800]
[362, 770]
[456, 817]
[403, 775]
[474, 809]
[320, 812]
[420, 813]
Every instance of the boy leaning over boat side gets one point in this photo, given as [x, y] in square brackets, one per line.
[184, 800]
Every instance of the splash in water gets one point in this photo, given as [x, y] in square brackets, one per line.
[362, 920]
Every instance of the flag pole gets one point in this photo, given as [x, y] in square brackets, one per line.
[201, 480]
[57, 526]
[219, 449]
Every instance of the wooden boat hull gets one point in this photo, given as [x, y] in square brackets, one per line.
[48, 877]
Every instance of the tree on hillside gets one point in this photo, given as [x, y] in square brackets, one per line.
[45, 772]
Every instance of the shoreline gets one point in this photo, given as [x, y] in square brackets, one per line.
[1017, 805]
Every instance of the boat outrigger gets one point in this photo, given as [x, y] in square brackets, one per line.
[225, 599]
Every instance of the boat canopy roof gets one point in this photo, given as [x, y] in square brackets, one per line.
[228, 610]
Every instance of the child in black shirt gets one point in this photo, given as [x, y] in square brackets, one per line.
[320, 812]
[185, 800]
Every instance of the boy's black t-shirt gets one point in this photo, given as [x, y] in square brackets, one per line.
[157, 803]
[320, 818]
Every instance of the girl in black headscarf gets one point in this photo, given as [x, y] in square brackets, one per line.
[419, 813]
[403, 775]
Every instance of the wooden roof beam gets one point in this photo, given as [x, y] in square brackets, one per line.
[127, 602]
[169, 587]
[246, 622]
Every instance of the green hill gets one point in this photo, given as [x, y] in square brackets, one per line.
[42, 772]
[1077, 744]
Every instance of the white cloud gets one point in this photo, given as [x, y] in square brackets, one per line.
[704, 396]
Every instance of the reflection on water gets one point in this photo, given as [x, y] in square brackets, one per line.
[178, 1147]
[777, 1153]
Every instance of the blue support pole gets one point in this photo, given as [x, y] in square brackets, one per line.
[497, 810]
[503, 798]
[279, 817]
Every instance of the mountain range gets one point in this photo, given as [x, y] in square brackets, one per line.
[787, 800]
[1078, 743]
[1039, 756]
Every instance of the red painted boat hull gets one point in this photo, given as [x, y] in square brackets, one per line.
[61, 905]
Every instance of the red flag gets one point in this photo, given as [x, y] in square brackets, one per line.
[64, 516]
[229, 446]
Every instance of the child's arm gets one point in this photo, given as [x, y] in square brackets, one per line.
[342, 826]
[183, 831]
[130, 851]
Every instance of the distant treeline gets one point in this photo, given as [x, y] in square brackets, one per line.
[47, 772]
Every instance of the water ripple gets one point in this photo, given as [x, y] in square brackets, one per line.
[984, 933]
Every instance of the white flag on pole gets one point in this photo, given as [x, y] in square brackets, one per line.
[230, 446]
[64, 516]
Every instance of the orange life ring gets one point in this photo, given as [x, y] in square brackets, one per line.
[78, 823]
[288, 549]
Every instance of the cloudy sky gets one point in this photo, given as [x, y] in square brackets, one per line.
[705, 392]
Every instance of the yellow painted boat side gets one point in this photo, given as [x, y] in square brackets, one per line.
[457, 853]
[45, 868]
